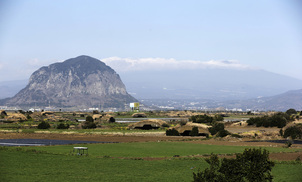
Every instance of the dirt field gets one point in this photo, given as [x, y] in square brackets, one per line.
[114, 138]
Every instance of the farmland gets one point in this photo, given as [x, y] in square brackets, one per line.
[140, 161]
[134, 154]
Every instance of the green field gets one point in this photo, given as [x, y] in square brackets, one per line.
[152, 149]
[57, 163]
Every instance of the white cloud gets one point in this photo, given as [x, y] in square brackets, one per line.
[1, 66]
[140, 64]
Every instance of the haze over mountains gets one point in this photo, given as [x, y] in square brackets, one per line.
[217, 84]
[224, 86]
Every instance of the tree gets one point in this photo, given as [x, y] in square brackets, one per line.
[291, 111]
[293, 131]
[44, 125]
[218, 117]
[201, 119]
[89, 124]
[251, 165]
[172, 132]
[89, 119]
[62, 126]
[194, 131]
[216, 128]
[111, 120]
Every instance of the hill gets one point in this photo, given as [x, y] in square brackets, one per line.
[80, 82]
[280, 102]
[215, 84]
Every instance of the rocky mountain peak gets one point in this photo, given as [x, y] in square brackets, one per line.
[79, 82]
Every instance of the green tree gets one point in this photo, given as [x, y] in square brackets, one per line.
[218, 117]
[252, 165]
[89, 119]
[172, 132]
[291, 111]
[62, 126]
[89, 124]
[216, 128]
[111, 120]
[44, 125]
[194, 131]
[201, 119]
[293, 131]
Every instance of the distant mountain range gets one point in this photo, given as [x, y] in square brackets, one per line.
[80, 82]
[232, 88]
[214, 84]
[281, 102]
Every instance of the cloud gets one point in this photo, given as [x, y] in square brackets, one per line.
[141, 64]
[1, 66]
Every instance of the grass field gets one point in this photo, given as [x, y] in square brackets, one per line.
[54, 163]
[31, 166]
[153, 149]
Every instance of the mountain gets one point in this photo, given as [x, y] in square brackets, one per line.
[80, 82]
[281, 102]
[215, 84]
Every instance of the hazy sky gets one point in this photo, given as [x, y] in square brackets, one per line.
[235, 34]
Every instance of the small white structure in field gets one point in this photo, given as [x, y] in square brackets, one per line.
[134, 106]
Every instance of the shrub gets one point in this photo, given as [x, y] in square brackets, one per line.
[44, 125]
[194, 131]
[89, 119]
[251, 165]
[88, 125]
[63, 126]
[28, 117]
[216, 128]
[95, 112]
[293, 131]
[201, 119]
[218, 117]
[279, 119]
[281, 132]
[172, 132]
[223, 133]
[111, 120]
[182, 123]
[291, 111]
[165, 125]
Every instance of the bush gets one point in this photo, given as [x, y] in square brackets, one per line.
[223, 133]
[88, 125]
[89, 119]
[165, 125]
[63, 126]
[172, 132]
[44, 125]
[293, 131]
[111, 120]
[251, 165]
[291, 111]
[194, 131]
[216, 128]
[201, 119]
[218, 117]
[279, 119]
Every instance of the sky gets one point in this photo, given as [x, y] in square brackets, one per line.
[152, 34]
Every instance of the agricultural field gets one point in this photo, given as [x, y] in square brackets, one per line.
[134, 161]
[135, 154]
